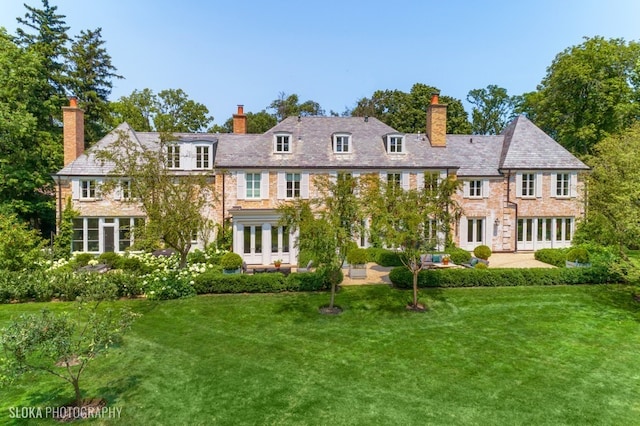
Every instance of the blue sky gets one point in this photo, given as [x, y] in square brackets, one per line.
[224, 53]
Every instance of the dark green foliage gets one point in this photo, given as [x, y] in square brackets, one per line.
[357, 256]
[459, 256]
[482, 252]
[402, 277]
[133, 264]
[306, 281]
[389, 258]
[304, 257]
[481, 265]
[374, 252]
[231, 261]
[215, 282]
[113, 260]
[82, 259]
[578, 254]
[555, 257]
[197, 256]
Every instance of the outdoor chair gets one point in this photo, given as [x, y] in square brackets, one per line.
[307, 268]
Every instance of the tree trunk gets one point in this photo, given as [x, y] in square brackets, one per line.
[333, 294]
[415, 288]
[76, 388]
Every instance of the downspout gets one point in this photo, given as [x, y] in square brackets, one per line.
[515, 206]
[223, 206]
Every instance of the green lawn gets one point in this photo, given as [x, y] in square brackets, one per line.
[486, 356]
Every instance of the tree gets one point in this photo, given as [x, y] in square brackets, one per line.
[614, 192]
[49, 41]
[20, 247]
[90, 79]
[59, 344]
[29, 149]
[170, 110]
[493, 110]
[174, 204]
[406, 112]
[290, 106]
[590, 91]
[405, 219]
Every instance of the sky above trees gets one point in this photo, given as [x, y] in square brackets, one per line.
[334, 52]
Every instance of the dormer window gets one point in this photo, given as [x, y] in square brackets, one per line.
[341, 143]
[395, 144]
[282, 143]
[173, 156]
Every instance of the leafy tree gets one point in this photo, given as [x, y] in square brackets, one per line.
[590, 91]
[170, 110]
[29, 149]
[45, 32]
[402, 219]
[492, 111]
[90, 79]
[290, 106]
[64, 237]
[258, 122]
[406, 112]
[20, 247]
[59, 344]
[174, 204]
[614, 192]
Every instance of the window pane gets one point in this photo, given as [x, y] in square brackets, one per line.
[567, 229]
[247, 239]
[558, 229]
[274, 239]
[520, 229]
[540, 229]
[548, 230]
[470, 230]
[258, 239]
[479, 226]
[529, 229]
[285, 239]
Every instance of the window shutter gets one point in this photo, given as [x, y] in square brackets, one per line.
[538, 185]
[420, 181]
[518, 185]
[488, 230]
[264, 185]
[241, 186]
[117, 190]
[485, 188]
[573, 184]
[98, 189]
[383, 176]
[405, 180]
[333, 176]
[304, 185]
[553, 185]
[465, 189]
[281, 185]
[75, 189]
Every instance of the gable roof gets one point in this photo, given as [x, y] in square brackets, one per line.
[526, 146]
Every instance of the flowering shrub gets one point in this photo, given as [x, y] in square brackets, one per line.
[163, 285]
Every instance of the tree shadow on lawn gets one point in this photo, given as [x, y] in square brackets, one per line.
[114, 389]
[620, 297]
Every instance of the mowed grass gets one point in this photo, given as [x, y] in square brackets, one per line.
[485, 356]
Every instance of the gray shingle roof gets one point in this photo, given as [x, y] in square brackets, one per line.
[521, 146]
[528, 147]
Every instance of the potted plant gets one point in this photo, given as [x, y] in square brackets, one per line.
[445, 259]
[577, 257]
[231, 263]
[277, 263]
[357, 259]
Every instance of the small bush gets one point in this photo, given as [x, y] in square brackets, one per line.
[111, 259]
[389, 258]
[82, 259]
[357, 256]
[482, 252]
[164, 285]
[374, 253]
[481, 265]
[231, 261]
[306, 281]
[579, 255]
[215, 282]
[555, 257]
[196, 256]
[459, 256]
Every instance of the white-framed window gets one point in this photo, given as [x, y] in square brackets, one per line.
[252, 185]
[341, 143]
[173, 156]
[125, 189]
[88, 189]
[394, 179]
[292, 182]
[563, 182]
[528, 188]
[475, 188]
[202, 157]
[395, 144]
[282, 143]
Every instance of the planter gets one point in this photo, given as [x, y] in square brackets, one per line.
[231, 271]
[576, 264]
[358, 271]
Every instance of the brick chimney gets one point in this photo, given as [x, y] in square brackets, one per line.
[437, 122]
[240, 121]
[72, 130]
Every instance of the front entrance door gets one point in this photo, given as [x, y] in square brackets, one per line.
[252, 242]
[108, 238]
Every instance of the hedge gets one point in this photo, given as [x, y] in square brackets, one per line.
[402, 277]
[215, 282]
[555, 257]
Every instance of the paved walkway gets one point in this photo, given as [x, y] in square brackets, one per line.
[377, 274]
